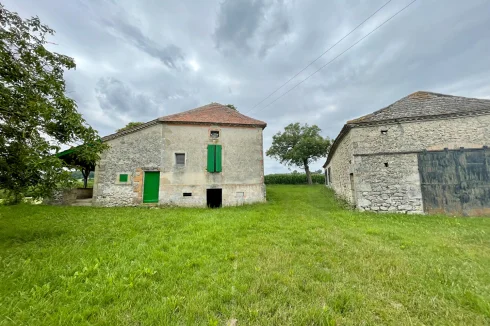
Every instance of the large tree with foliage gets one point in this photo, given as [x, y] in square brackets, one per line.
[299, 146]
[36, 116]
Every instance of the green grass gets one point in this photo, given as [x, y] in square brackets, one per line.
[300, 259]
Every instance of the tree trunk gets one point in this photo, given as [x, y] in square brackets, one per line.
[85, 173]
[308, 174]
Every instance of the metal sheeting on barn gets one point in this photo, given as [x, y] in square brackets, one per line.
[456, 182]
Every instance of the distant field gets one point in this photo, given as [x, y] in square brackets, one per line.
[299, 259]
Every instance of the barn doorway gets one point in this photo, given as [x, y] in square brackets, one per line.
[456, 182]
[214, 197]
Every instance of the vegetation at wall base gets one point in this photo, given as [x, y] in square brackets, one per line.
[299, 259]
[293, 179]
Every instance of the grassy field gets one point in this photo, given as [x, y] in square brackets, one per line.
[300, 259]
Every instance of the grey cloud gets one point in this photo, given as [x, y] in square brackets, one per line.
[246, 49]
[115, 97]
[237, 23]
[245, 26]
[274, 32]
[171, 55]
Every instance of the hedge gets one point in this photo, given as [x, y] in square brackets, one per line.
[293, 179]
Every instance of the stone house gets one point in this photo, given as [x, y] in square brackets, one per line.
[208, 156]
[426, 152]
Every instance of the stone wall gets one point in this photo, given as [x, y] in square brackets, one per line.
[61, 197]
[154, 149]
[129, 154]
[396, 187]
[417, 136]
[242, 165]
[341, 167]
[391, 188]
[232, 194]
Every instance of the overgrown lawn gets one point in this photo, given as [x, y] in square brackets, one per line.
[299, 259]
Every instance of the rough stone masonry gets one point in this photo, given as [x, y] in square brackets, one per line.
[155, 146]
[373, 162]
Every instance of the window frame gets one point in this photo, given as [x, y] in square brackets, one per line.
[213, 131]
[120, 175]
[177, 161]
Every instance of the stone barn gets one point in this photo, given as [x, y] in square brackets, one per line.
[424, 153]
[209, 156]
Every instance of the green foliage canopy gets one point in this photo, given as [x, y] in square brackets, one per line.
[36, 116]
[299, 145]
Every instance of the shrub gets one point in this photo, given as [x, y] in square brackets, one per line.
[293, 179]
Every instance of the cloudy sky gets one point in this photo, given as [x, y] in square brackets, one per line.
[138, 60]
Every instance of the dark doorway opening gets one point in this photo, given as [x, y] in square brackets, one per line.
[214, 197]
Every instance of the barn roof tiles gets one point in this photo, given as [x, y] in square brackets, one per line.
[425, 105]
[417, 106]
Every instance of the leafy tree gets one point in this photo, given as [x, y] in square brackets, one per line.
[231, 106]
[36, 116]
[129, 126]
[78, 175]
[299, 146]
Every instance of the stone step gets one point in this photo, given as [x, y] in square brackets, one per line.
[83, 202]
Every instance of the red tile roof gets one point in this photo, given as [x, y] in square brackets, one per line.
[213, 113]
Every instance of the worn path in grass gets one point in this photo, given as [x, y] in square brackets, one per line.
[299, 259]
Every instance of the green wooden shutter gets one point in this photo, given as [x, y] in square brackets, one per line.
[211, 155]
[218, 158]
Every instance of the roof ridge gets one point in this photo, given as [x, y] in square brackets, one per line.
[235, 118]
[448, 95]
[190, 110]
[418, 106]
[418, 95]
[214, 113]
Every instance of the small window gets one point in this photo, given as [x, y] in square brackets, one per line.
[386, 164]
[123, 178]
[179, 158]
[384, 132]
[187, 194]
[214, 134]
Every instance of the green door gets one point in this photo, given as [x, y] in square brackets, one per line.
[151, 187]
